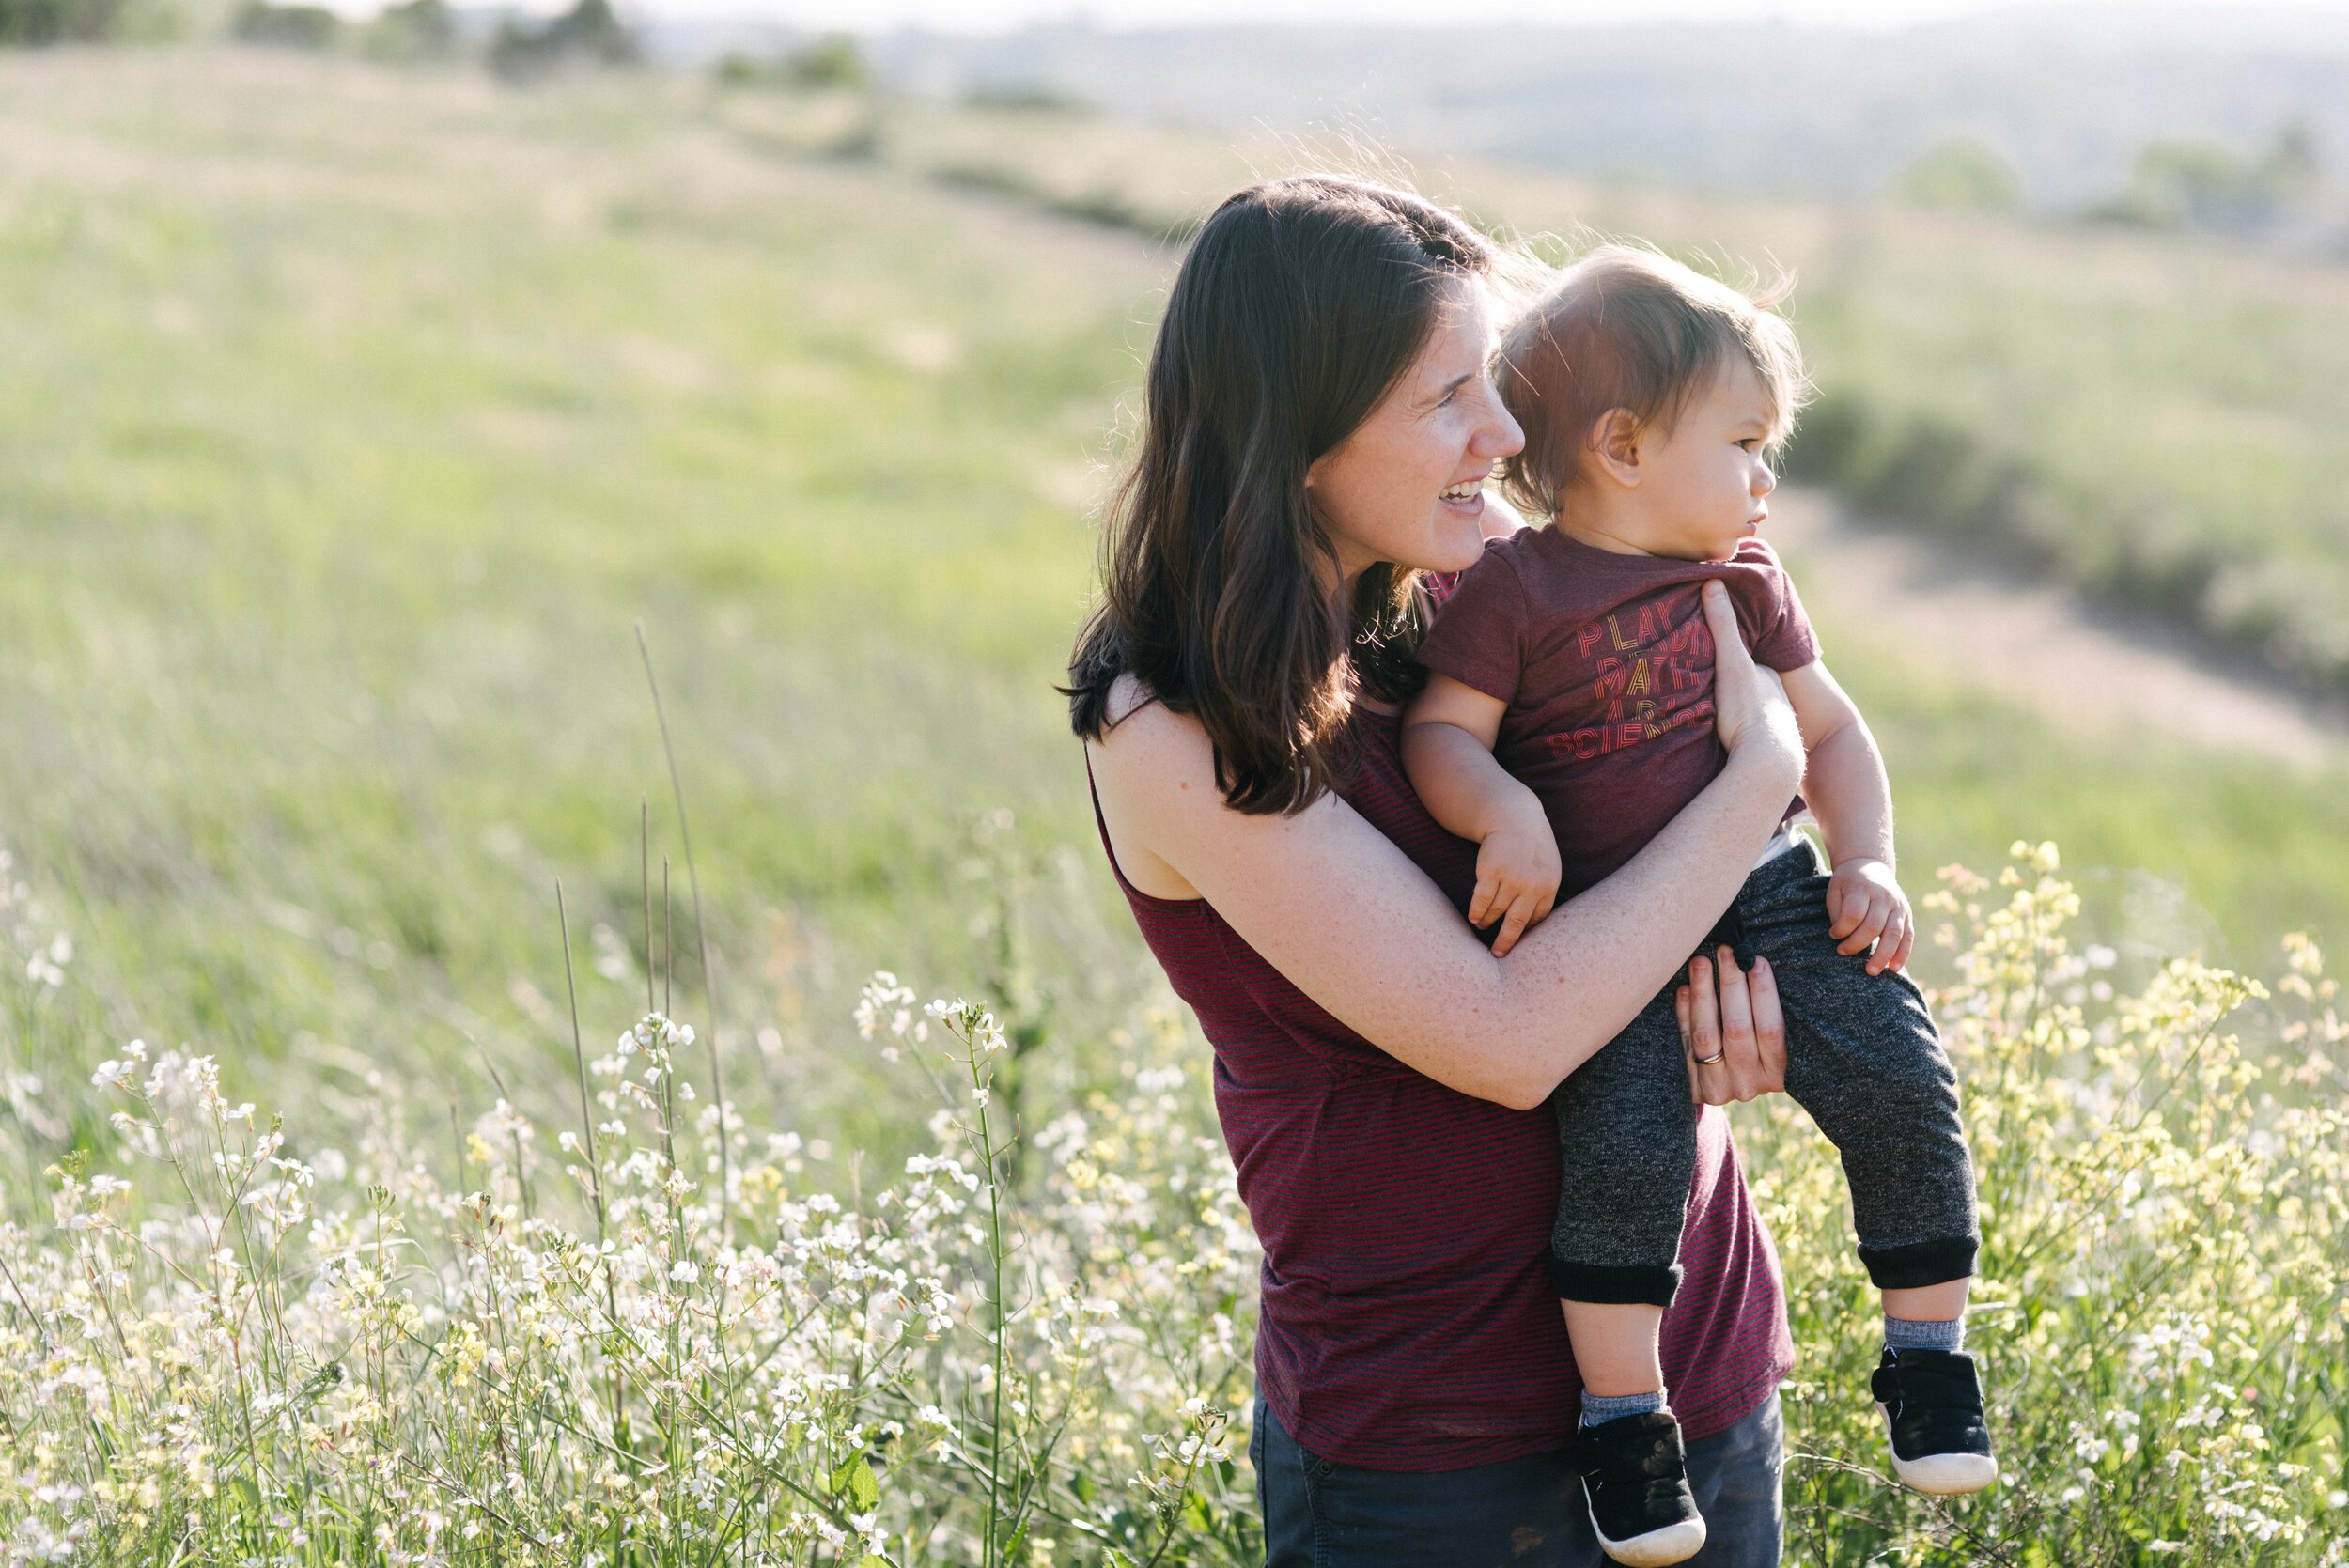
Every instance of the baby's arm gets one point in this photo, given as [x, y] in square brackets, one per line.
[1850, 793]
[1448, 736]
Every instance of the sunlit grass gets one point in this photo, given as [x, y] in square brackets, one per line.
[338, 454]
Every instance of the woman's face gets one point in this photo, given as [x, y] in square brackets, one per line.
[1408, 485]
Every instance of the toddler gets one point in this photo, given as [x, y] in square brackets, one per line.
[1567, 717]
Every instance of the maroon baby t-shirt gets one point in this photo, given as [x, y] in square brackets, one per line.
[1606, 662]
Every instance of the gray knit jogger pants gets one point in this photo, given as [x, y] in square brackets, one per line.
[1862, 1057]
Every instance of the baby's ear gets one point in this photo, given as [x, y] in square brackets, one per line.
[1614, 445]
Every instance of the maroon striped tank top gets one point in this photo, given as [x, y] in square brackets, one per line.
[1408, 1322]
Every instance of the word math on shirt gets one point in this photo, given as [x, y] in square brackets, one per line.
[1649, 671]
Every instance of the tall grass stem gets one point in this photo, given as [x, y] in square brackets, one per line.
[694, 883]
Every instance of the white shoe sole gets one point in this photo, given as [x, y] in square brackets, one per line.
[1672, 1543]
[1943, 1475]
[1947, 1475]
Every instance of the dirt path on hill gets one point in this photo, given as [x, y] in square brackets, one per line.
[2043, 646]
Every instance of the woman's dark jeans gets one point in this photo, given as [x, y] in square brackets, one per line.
[1519, 1513]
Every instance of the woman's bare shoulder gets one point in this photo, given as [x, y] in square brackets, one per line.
[1150, 765]
[1143, 739]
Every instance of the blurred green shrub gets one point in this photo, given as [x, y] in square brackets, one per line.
[412, 30]
[590, 33]
[831, 62]
[287, 26]
[2208, 185]
[45, 21]
[1965, 172]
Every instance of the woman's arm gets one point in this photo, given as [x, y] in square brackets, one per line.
[1334, 905]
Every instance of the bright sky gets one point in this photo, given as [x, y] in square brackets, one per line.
[998, 15]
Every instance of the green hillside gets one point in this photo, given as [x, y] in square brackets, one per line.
[347, 422]
[350, 419]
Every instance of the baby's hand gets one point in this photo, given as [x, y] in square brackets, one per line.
[1864, 906]
[1516, 877]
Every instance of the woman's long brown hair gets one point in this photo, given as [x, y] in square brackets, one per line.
[1302, 300]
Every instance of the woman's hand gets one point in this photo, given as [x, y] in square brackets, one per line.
[1750, 712]
[1734, 1036]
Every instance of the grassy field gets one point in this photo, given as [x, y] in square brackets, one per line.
[2174, 849]
[349, 422]
[341, 450]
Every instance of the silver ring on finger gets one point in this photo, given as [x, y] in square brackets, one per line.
[1711, 1061]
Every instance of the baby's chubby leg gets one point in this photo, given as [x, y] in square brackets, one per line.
[1863, 1057]
[1944, 1302]
[1615, 1350]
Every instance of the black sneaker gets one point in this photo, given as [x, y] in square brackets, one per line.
[1635, 1477]
[1932, 1404]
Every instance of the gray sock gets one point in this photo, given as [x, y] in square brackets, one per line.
[1908, 1333]
[1598, 1408]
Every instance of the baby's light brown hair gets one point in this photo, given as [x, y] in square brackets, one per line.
[1629, 328]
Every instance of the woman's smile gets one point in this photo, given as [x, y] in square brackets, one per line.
[1465, 500]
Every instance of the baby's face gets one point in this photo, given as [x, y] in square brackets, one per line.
[1706, 481]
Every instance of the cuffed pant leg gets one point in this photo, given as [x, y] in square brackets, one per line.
[1627, 1145]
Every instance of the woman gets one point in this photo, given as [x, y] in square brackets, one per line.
[1318, 422]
